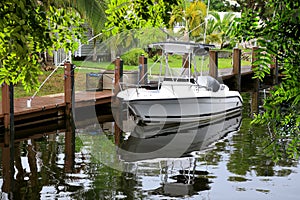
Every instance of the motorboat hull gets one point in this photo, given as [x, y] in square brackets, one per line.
[183, 109]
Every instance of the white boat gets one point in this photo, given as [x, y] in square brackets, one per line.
[185, 97]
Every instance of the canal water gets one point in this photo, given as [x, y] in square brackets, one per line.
[223, 159]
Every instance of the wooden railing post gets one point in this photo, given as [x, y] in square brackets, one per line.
[69, 87]
[213, 64]
[143, 79]
[118, 75]
[236, 62]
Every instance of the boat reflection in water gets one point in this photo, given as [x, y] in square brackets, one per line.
[175, 140]
[171, 147]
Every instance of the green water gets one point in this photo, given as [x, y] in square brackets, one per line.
[227, 159]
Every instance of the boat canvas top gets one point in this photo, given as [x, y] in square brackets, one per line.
[177, 47]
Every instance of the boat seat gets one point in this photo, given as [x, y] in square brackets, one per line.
[209, 83]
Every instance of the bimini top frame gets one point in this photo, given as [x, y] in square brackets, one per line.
[181, 48]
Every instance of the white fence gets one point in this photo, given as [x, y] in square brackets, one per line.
[60, 57]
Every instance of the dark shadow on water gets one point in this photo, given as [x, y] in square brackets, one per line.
[186, 184]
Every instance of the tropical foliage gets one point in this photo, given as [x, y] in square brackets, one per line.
[212, 35]
[217, 29]
[278, 35]
[132, 56]
[127, 14]
[219, 5]
[191, 15]
[221, 28]
[28, 28]
[92, 11]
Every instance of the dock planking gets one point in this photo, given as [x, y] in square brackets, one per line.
[52, 107]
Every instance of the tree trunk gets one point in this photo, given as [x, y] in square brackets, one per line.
[94, 50]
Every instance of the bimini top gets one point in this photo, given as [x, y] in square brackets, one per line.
[177, 47]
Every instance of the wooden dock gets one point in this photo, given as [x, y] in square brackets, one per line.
[53, 107]
[45, 109]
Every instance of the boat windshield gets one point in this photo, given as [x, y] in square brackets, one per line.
[182, 48]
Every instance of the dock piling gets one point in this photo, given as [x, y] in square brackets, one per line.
[69, 146]
[213, 64]
[69, 87]
[236, 64]
[5, 105]
[117, 108]
[118, 75]
[143, 79]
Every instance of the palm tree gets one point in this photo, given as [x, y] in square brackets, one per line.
[93, 11]
[224, 26]
[212, 33]
[192, 15]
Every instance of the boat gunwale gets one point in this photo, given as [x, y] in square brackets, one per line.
[183, 98]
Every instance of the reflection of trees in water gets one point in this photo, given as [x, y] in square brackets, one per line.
[91, 176]
[38, 166]
[250, 154]
[43, 154]
[103, 169]
[31, 177]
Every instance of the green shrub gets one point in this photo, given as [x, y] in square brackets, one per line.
[131, 57]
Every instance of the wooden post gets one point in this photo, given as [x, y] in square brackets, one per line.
[69, 146]
[9, 135]
[256, 85]
[143, 79]
[6, 113]
[69, 84]
[236, 62]
[254, 102]
[6, 171]
[32, 161]
[213, 64]
[118, 110]
[117, 104]
[118, 74]
[5, 105]
[185, 60]
[118, 118]
[117, 134]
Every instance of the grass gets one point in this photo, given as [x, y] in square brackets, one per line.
[174, 61]
[55, 84]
